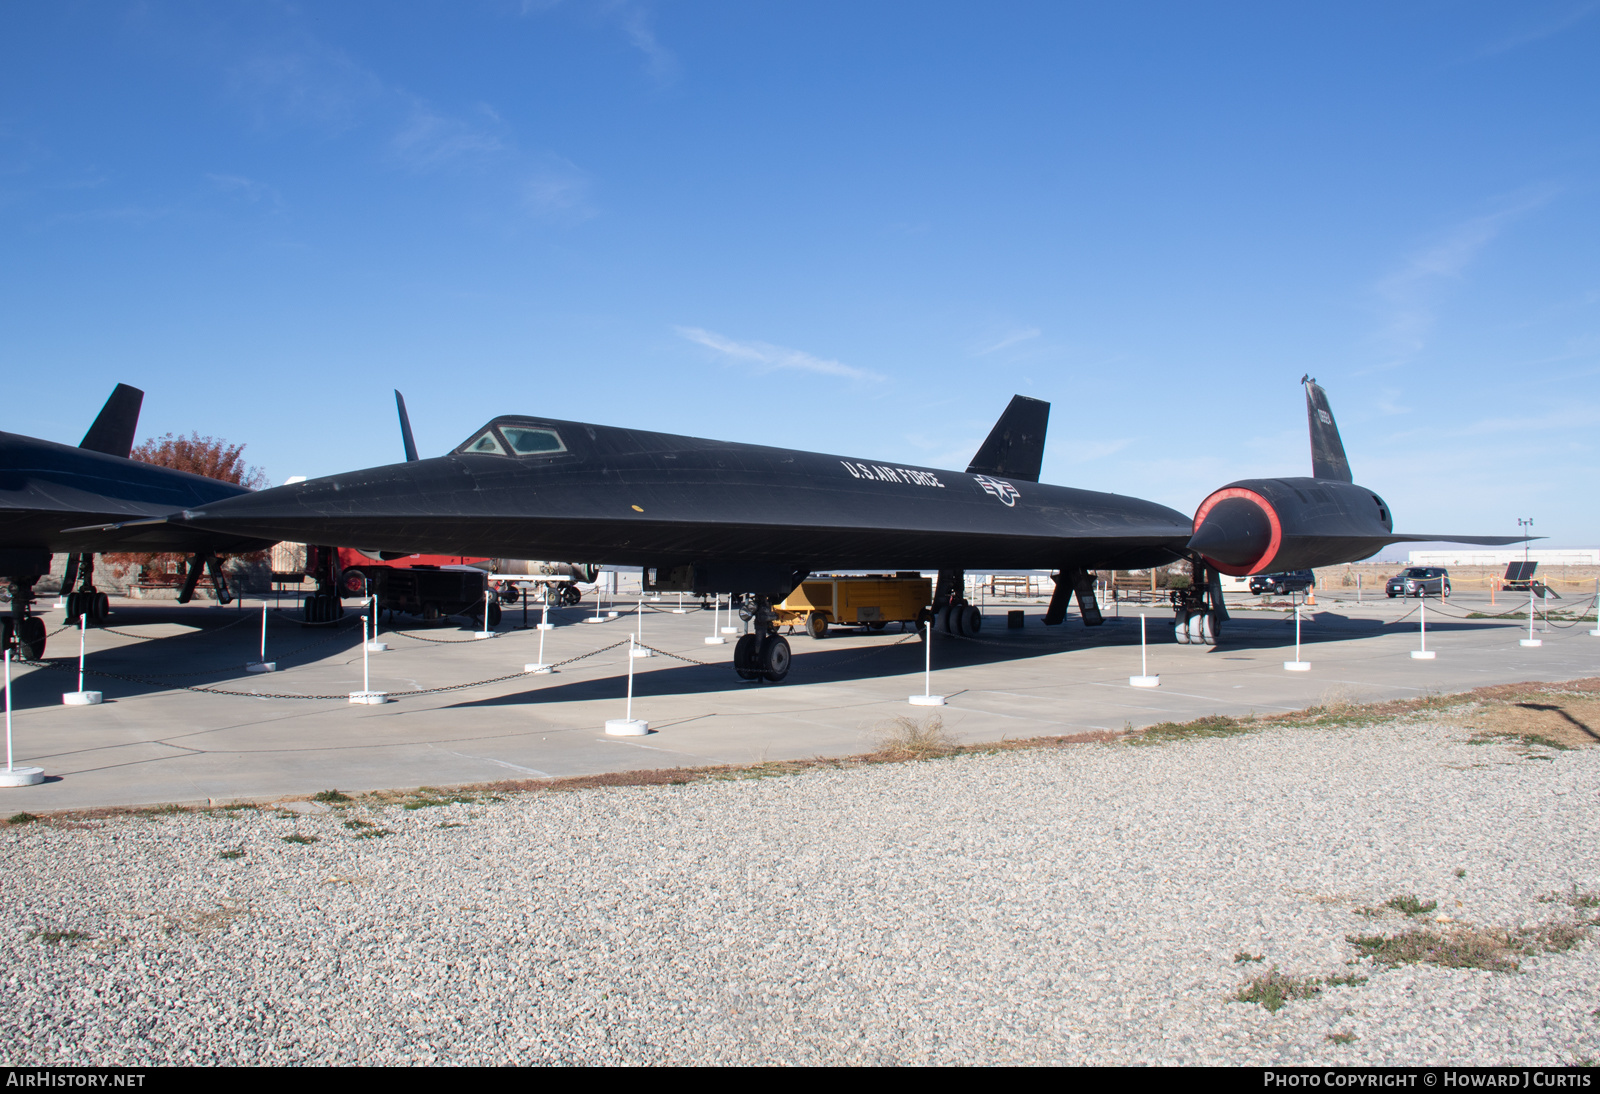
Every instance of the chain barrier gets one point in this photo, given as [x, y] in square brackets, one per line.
[449, 641]
[71, 666]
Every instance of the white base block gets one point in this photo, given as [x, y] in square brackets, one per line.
[82, 698]
[544, 626]
[21, 776]
[611, 615]
[626, 727]
[483, 634]
[927, 700]
[637, 652]
[538, 667]
[716, 641]
[1596, 632]
[1297, 666]
[261, 666]
[680, 611]
[1423, 655]
[1531, 642]
[369, 698]
[1144, 681]
[594, 619]
[731, 630]
[377, 647]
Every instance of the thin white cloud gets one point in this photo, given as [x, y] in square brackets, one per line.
[312, 83]
[1410, 292]
[556, 189]
[429, 140]
[634, 19]
[1007, 340]
[258, 193]
[768, 356]
[1571, 18]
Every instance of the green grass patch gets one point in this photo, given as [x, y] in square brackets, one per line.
[1213, 725]
[1243, 956]
[1469, 947]
[237, 852]
[1272, 989]
[331, 796]
[56, 938]
[1341, 1038]
[21, 818]
[372, 833]
[299, 837]
[1410, 905]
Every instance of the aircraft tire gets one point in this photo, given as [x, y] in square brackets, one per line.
[942, 619]
[1212, 629]
[817, 625]
[1180, 628]
[774, 657]
[494, 616]
[1197, 628]
[971, 621]
[745, 657]
[31, 639]
[72, 608]
[102, 608]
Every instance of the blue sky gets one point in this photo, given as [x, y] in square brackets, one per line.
[854, 228]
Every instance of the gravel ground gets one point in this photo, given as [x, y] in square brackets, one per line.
[1082, 904]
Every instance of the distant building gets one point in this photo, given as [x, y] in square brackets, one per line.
[1499, 556]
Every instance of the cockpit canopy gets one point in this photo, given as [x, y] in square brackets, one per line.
[514, 437]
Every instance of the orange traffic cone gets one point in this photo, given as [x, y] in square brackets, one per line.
[1311, 597]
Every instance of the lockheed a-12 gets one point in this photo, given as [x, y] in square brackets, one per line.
[46, 487]
[711, 517]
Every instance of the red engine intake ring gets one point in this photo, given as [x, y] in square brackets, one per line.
[1268, 555]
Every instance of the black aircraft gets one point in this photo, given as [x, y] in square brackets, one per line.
[711, 516]
[1258, 526]
[49, 491]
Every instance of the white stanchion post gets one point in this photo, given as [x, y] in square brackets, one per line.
[628, 726]
[1424, 654]
[1144, 679]
[1596, 631]
[637, 649]
[680, 609]
[366, 696]
[541, 666]
[263, 665]
[927, 698]
[81, 698]
[730, 629]
[1297, 665]
[373, 644]
[716, 618]
[12, 775]
[1530, 640]
[485, 632]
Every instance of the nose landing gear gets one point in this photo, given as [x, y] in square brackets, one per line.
[1198, 611]
[764, 653]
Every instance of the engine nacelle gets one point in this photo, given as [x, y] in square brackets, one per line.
[1269, 525]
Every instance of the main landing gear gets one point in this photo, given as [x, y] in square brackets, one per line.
[1198, 611]
[23, 632]
[762, 654]
[85, 601]
[952, 612]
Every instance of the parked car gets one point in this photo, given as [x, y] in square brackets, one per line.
[1419, 581]
[1291, 581]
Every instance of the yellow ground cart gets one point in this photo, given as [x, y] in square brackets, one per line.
[873, 601]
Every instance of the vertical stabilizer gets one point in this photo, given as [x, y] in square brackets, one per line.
[1327, 450]
[405, 427]
[112, 432]
[1015, 448]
